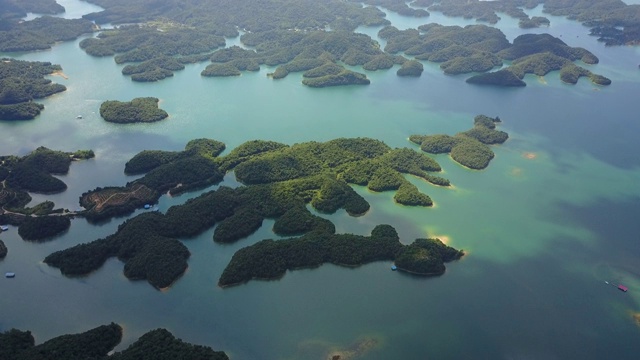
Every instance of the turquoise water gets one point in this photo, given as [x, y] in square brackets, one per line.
[542, 234]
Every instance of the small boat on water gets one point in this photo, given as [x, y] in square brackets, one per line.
[79, 117]
[10, 275]
[4, 227]
[394, 268]
[619, 286]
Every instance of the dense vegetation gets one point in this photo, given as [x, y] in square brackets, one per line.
[40, 33]
[314, 52]
[160, 344]
[270, 259]
[613, 21]
[33, 172]
[97, 343]
[468, 148]
[14, 10]
[93, 344]
[345, 77]
[426, 257]
[137, 110]
[411, 68]
[176, 172]
[159, 48]
[480, 48]
[225, 16]
[20, 83]
[43, 227]
[3, 250]
[280, 180]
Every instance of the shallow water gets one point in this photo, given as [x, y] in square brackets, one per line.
[542, 234]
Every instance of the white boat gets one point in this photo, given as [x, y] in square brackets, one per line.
[79, 117]
[10, 275]
[4, 228]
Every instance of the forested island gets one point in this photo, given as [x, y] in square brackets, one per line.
[40, 33]
[158, 48]
[480, 48]
[135, 111]
[33, 173]
[270, 259]
[98, 343]
[280, 180]
[469, 148]
[20, 83]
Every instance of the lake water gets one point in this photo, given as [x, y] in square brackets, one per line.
[542, 235]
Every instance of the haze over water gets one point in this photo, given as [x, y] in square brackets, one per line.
[542, 234]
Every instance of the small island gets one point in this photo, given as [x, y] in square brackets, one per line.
[22, 82]
[98, 343]
[135, 111]
[469, 148]
[411, 68]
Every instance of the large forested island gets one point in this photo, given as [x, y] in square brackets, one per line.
[20, 83]
[98, 343]
[279, 181]
[137, 110]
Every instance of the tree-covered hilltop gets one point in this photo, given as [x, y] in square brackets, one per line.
[43, 227]
[97, 344]
[173, 171]
[345, 77]
[159, 48]
[280, 181]
[41, 33]
[269, 259]
[160, 344]
[21, 82]
[134, 111]
[411, 68]
[468, 148]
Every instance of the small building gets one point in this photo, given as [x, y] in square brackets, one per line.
[10, 275]
[623, 288]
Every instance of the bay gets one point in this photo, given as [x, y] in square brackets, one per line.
[542, 234]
